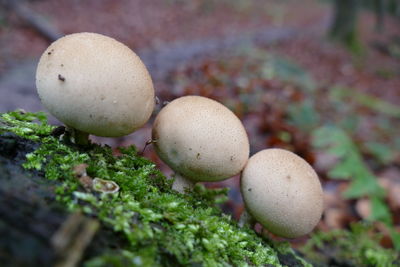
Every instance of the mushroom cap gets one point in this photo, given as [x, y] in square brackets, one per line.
[282, 192]
[201, 139]
[95, 84]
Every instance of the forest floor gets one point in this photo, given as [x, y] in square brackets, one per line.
[271, 63]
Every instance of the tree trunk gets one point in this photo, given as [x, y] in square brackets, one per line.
[380, 7]
[344, 26]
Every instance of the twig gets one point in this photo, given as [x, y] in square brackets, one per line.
[32, 19]
[72, 238]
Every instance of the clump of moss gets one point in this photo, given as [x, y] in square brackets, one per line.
[358, 246]
[161, 227]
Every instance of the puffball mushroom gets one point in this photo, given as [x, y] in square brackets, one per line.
[201, 140]
[95, 85]
[282, 192]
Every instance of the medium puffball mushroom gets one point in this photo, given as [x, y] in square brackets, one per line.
[282, 192]
[201, 140]
[95, 85]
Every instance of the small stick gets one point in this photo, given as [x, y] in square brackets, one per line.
[33, 20]
[70, 241]
[151, 141]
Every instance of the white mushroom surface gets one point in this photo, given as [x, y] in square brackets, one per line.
[95, 84]
[200, 139]
[282, 192]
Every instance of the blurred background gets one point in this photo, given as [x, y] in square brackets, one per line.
[320, 78]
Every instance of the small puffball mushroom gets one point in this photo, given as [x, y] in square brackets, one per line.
[282, 192]
[201, 140]
[95, 85]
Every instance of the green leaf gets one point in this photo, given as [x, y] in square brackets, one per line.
[303, 115]
[362, 187]
[380, 211]
[369, 101]
[343, 169]
[395, 235]
[382, 152]
[350, 165]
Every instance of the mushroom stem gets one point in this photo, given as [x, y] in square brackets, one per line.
[78, 137]
[246, 218]
[180, 183]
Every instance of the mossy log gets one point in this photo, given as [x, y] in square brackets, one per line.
[50, 217]
[37, 230]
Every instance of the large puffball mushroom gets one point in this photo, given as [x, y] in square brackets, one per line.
[201, 140]
[282, 192]
[95, 85]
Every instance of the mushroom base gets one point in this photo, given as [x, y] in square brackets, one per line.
[246, 218]
[181, 183]
[78, 137]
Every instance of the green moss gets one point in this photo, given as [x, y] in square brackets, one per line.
[159, 226]
[358, 247]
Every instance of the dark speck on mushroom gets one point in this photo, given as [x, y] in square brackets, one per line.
[61, 78]
[249, 189]
[198, 156]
